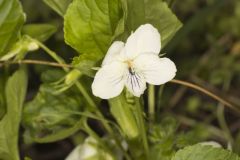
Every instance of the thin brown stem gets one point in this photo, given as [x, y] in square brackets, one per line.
[210, 94]
[30, 61]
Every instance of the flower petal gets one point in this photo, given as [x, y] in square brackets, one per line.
[155, 70]
[112, 52]
[136, 84]
[109, 80]
[144, 40]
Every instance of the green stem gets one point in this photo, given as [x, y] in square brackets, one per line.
[94, 135]
[223, 124]
[221, 115]
[160, 93]
[151, 103]
[142, 128]
[86, 95]
[51, 53]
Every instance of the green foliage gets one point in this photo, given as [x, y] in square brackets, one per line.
[15, 92]
[163, 139]
[11, 21]
[89, 26]
[155, 12]
[197, 134]
[201, 152]
[50, 116]
[60, 6]
[40, 32]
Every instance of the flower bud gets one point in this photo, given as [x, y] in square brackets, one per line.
[72, 76]
[32, 46]
[89, 150]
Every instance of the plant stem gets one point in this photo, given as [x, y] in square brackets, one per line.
[221, 117]
[93, 134]
[159, 96]
[151, 103]
[142, 128]
[210, 94]
[31, 61]
[51, 53]
[86, 95]
[223, 124]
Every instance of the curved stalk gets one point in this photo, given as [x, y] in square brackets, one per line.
[210, 94]
[31, 61]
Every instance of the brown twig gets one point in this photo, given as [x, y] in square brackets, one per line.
[210, 94]
[29, 61]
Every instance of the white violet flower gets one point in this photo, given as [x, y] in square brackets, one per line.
[133, 64]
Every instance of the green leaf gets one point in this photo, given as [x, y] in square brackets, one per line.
[50, 116]
[11, 21]
[40, 32]
[89, 25]
[60, 6]
[155, 12]
[134, 11]
[202, 152]
[9, 126]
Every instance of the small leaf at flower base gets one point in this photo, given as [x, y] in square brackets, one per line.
[60, 6]
[202, 152]
[11, 21]
[85, 64]
[40, 32]
[15, 92]
[89, 25]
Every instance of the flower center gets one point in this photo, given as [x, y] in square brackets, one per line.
[133, 78]
[129, 63]
[130, 67]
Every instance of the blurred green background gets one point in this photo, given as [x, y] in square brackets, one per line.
[206, 51]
